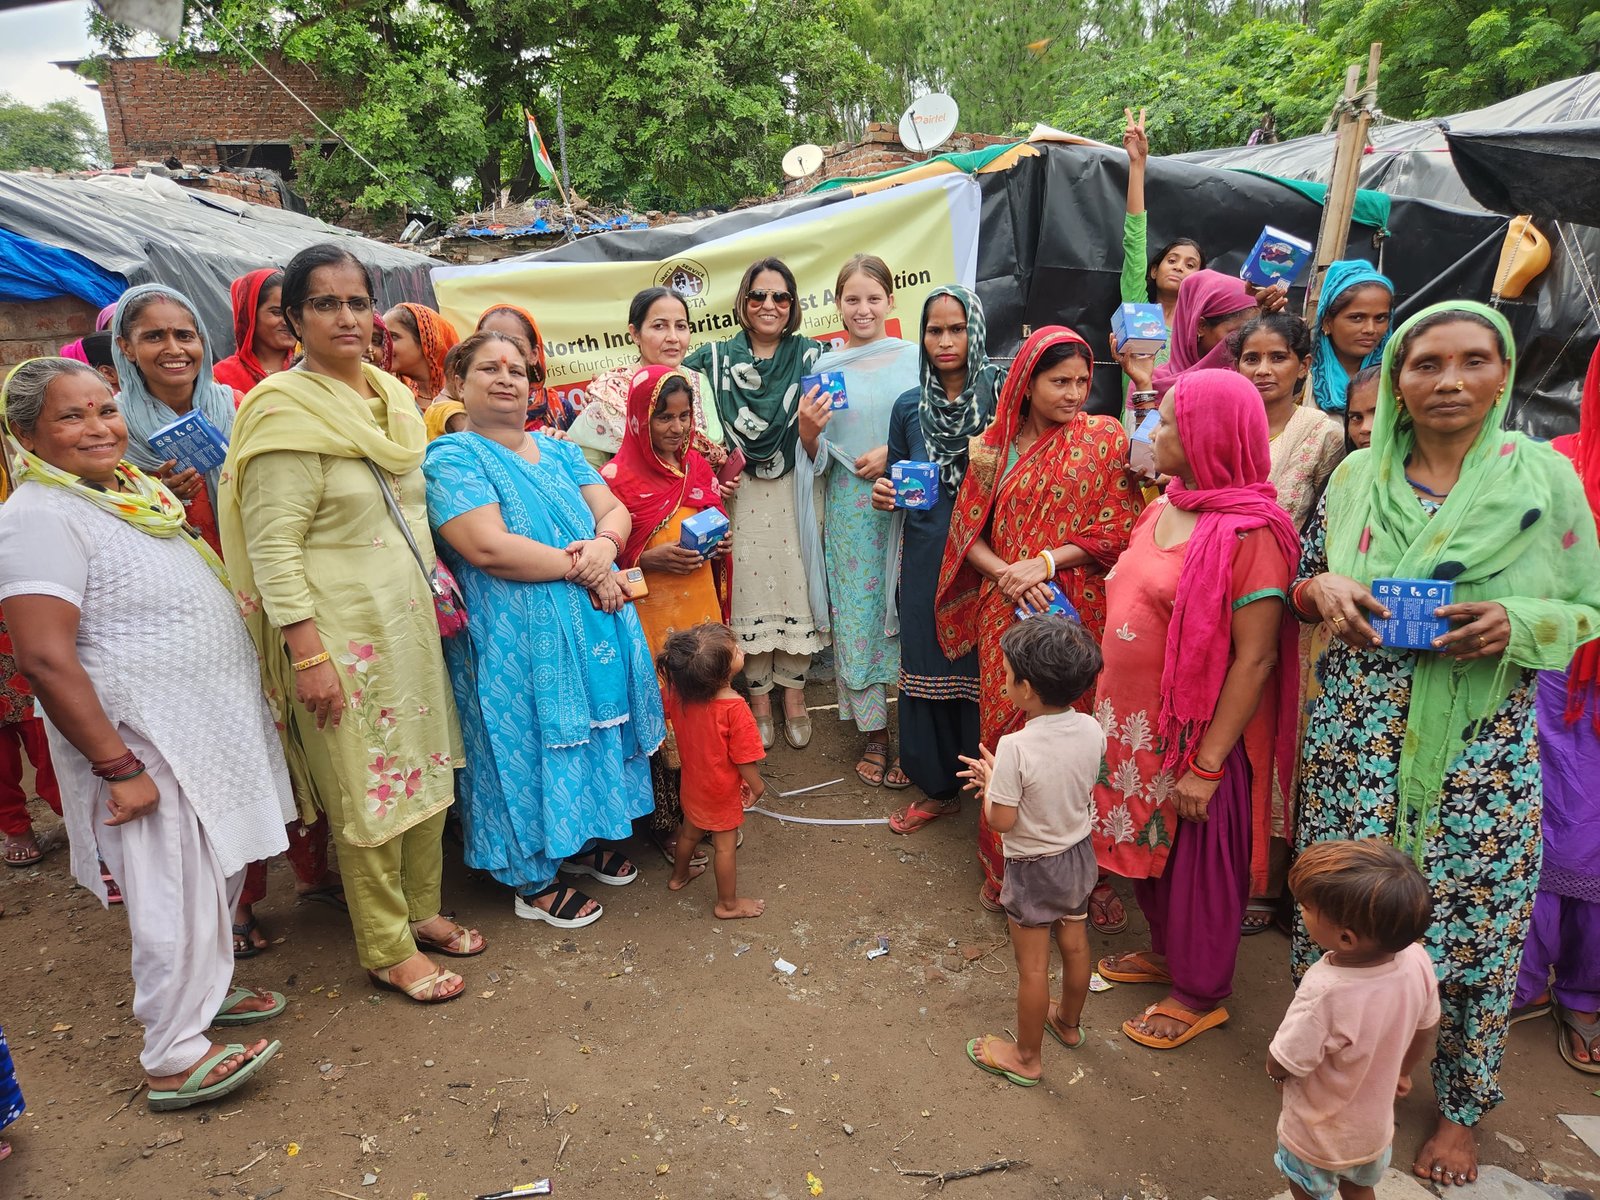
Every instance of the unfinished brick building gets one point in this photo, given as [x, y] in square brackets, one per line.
[217, 115]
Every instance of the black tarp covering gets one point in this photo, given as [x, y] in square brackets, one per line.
[1050, 251]
[1555, 324]
[151, 231]
[1553, 171]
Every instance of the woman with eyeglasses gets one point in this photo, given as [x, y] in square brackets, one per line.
[780, 597]
[341, 612]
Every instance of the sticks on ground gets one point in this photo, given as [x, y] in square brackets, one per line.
[943, 1177]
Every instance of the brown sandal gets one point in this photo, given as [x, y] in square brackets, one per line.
[459, 944]
[875, 749]
[424, 990]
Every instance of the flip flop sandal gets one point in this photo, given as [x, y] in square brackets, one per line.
[607, 867]
[669, 851]
[1198, 1024]
[249, 948]
[1107, 926]
[905, 780]
[563, 915]
[457, 945]
[1149, 974]
[738, 842]
[1589, 1031]
[1529, 1011]
[226, 1019]
[5, 1151]
[984, 1064]
[18, 864]
[1050, 1028]
[989, 904]
[332, 895]
[424, 990]
[191, 1093]
[1246, 929]
[113, 889]
[881, 750]
[911, 819]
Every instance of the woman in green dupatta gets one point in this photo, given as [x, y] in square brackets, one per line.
[1434, 750]
[342, 617]
[780, 596]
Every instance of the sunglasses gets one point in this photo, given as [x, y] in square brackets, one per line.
[760, 296]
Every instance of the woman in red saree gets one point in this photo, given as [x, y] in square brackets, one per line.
[1046, 496]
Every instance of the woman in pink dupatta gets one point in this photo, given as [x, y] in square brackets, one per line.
[1211, 305]
[1198, 700]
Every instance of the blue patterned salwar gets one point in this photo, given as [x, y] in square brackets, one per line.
[11, 1105]
[1481, 863]
[560, 709]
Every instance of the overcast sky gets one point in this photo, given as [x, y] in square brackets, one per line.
[31, 39]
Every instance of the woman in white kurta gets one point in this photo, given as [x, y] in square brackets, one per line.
[125, 627]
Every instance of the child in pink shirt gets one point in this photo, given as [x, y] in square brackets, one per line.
[1363, 1017]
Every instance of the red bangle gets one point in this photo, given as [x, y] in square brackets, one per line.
[111, 768]
[1209, 776]
[1297, 598]
[612, 538]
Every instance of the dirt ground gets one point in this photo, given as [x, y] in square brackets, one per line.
[659, 1054]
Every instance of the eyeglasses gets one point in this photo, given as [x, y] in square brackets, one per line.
[326, 306]
[760, 296]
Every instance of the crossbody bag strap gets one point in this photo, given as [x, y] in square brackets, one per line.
[400, 520]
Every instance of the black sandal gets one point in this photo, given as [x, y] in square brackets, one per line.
[564, 910]
[248, 949]
[881, 749]
[604, 865]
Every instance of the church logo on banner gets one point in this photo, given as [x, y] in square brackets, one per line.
[684, 276]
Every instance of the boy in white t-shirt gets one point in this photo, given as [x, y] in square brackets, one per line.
[1037, 789]
[1363, 1017]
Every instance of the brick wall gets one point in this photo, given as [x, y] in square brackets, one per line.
[237, 186]
[32, 328]
[154, 110]
[880, 150]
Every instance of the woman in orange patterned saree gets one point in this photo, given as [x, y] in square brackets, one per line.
[1047, 496]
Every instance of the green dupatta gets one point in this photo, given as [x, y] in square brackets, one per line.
[1516, 529]
[758, 399]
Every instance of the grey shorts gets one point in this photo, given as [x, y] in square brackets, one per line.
[1052, 887]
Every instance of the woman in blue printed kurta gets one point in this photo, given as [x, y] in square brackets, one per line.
[560, 709]
[11, 1105]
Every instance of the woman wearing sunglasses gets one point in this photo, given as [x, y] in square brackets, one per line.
[780, 598]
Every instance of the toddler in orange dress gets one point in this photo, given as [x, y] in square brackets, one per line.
[721, 752]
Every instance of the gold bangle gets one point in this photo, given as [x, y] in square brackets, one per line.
[305, 664]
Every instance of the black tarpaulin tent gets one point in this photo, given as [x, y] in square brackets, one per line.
[1556, 321]
[1552, 170]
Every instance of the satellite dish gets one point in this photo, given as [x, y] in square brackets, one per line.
[802, 161]
[929, 121]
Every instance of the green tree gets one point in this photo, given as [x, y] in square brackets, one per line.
[682, 104]
[61, 136]
[1463, 54]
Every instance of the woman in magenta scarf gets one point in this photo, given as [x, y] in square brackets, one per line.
[1198, 700]
[1211, 305]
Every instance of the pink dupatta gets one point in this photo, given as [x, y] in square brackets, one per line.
[1202, 296]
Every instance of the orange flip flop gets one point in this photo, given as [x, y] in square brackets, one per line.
[1198, 1024]
[1148, 972]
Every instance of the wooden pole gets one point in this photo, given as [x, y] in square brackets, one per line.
[1355, 118]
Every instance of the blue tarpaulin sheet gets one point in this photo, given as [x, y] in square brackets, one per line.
[30, 270]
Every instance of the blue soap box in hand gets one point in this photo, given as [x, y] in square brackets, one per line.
[832, 385]
[1139, 328]
[1277, 257]
[1060, 606]
[1412, 601]
[191, 441]
[1141, 445]
[703, 531]
[916, 483]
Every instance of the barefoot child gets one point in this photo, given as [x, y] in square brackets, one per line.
[1037, 792]
[721, 752]
[1363, 1018]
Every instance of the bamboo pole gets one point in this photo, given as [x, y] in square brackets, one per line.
[1355, 118]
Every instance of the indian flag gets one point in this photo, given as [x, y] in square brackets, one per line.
[541, 156]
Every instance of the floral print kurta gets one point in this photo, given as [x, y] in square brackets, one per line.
[1482, 863]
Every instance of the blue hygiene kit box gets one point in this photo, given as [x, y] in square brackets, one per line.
[1277, 257]
[832, 384]
[1412, 601]
[191, 441]
[1139, 328]
[703, 531]
[916, 483]
[1060, 606]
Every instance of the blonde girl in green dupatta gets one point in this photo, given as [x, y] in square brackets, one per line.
[1434, 750]
[342, 616]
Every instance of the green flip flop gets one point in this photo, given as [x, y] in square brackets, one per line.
[225, 1018]
[191, 1093]
[972, 1053]
[1050, 1028]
